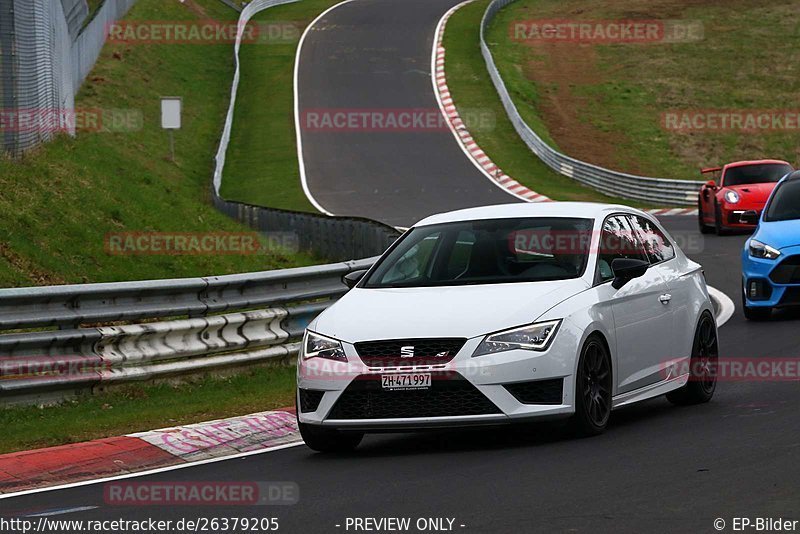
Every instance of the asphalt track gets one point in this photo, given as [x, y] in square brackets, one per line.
[375, 55]
[657, 469]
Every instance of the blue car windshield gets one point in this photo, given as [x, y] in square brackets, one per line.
[785, 203]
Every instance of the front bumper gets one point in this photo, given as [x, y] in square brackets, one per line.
[769, 294]
[731, 217]
[464, 384]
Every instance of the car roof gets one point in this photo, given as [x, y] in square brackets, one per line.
[756, 162]
[583, 210]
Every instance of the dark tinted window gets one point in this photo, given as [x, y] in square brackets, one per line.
[655, 243]
[487, 252]
[785, 203]
[753, 174]
[617, 240]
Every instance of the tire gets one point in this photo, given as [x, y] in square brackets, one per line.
[593, 386]
[718, 228]
[762, 313]
[705, 355]
[702, 226]
[326, 440]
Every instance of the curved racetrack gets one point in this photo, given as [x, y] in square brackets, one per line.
[658, 468]
[375, 55]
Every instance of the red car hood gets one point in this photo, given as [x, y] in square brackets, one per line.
[758, 193]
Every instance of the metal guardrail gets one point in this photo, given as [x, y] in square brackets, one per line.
[333, 238]
[619, 184]
[155, 329]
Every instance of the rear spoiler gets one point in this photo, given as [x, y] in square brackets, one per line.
[710, 169]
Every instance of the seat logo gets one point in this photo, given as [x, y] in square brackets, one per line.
[407, 352]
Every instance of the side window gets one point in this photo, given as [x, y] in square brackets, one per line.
[658, 247]
[617, 240]
[458, 263]
[415, 263]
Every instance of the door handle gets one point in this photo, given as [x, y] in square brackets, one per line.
[665, 298]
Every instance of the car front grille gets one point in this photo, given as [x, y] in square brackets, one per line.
[309, 400]
[736, 218]
[408, 352]
[538, 391]
[791, 297]
[787, 271]
[450, 395]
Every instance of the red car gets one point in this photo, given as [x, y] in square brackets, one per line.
[743, 186]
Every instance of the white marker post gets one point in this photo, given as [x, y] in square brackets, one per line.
[171, 107]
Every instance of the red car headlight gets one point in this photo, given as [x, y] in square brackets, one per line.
[732, 197]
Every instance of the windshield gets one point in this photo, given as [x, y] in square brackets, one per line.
[785, 203]
[755, 174]
[486, 252]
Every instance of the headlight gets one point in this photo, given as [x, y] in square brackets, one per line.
[532, 337]
[317, 346]
[732, 197]
[760, 250]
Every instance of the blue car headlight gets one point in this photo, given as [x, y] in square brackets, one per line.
[536, 337]
[758, 249]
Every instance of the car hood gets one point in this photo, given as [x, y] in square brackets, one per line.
[456, 311]
[779, 234]
[754, 192]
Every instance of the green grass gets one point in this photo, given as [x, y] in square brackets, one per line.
[140, 408]
[263, 167]
[58, 203]
[94, 5]
[472, 89]
[744, 62]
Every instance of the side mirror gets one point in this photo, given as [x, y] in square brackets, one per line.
[712, 184]
[626, 269]
[749, 217]
[351, 279]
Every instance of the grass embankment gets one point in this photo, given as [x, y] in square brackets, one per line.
[603, 103]
[472, 89]
[140, 408]
[263, 167]
[58, 203]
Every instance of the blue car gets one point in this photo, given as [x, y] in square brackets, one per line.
[771, 257]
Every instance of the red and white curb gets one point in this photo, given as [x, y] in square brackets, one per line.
[459, 129]
[124, 456]
[672, 211]
[467, 142]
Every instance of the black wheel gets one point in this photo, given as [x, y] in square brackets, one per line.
[718, 220]
[593, 386]
[326, 440]
[755, 314]
[702, 226]
[703, 363]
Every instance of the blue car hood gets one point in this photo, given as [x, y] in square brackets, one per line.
[779, 234]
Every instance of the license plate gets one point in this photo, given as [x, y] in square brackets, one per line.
[406, 381]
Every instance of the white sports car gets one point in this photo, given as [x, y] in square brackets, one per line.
[508, 313]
